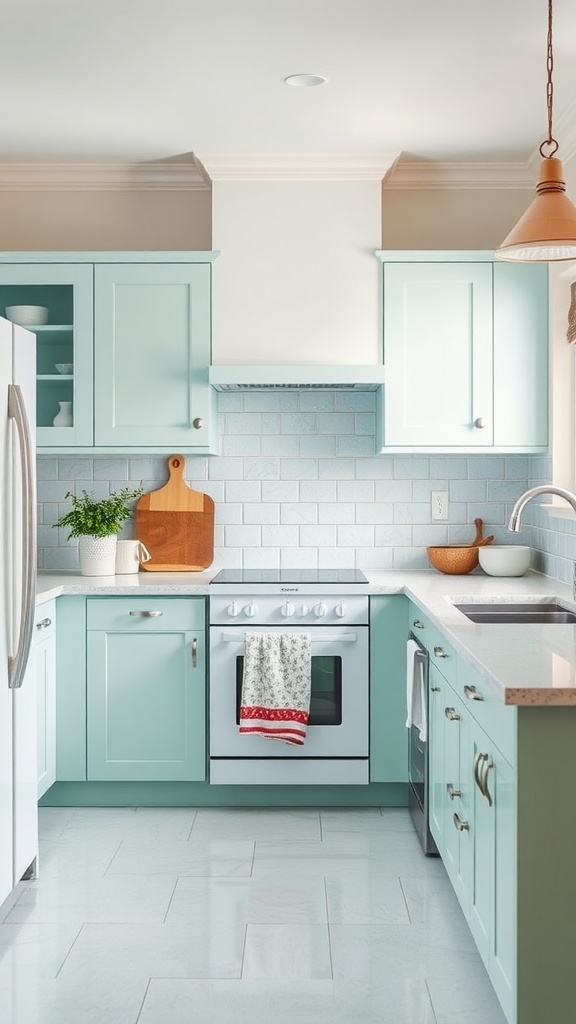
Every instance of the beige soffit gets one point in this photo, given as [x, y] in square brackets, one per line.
[163, 176]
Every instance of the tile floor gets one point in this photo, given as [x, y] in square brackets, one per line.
[209, 916]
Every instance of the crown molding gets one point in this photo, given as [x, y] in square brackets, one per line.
[164, 176]
[297, 166]
[420, 174]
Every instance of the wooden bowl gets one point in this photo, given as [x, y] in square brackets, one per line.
[455, 559]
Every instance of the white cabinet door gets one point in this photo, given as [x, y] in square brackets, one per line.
[438, 355]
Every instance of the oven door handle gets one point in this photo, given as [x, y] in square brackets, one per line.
[234, 638]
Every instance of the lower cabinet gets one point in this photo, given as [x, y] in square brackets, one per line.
[44, 654]
[473, 820]
[146, 684]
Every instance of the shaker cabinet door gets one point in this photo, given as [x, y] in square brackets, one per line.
[438, 354]
[152, 353]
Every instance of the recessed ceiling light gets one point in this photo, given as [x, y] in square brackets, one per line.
[306, 80]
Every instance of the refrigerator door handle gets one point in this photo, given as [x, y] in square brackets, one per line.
[17, 412]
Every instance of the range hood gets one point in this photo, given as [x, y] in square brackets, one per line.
[296, 287]
[296, 378]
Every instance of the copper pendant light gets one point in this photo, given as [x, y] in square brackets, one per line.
[546, 233]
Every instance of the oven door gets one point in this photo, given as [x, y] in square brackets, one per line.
[338, 724]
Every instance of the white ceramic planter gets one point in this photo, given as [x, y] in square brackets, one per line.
[97, 555]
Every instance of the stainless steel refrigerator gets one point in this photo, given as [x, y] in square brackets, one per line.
[18, 726]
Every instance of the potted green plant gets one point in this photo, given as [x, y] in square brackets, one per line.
[97, 523]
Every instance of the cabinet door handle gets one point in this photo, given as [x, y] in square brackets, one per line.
[452, 793]
[435, 689]
[439, 652]
[417, 624]
[486, 766]
[477, 760]
[194, 653]
[44, 623]
[147, 615]
[472, 693]
[462, 826]
[480, 423]
[451, 714]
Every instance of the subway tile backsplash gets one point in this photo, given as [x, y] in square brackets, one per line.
[298, 484]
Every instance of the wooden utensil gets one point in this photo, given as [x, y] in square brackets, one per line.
[176, 524]
[479, 541]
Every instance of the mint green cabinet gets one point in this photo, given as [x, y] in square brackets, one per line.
[66, 291]
[388, 733]
[465, 353]
[146, 685]
[151, 356]
[133, 334]
[44, 654]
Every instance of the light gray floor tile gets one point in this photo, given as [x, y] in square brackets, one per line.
[366, 898]
[141, 951]
[247, 900]
[83, 1000]
[145, 823]
[286, 825]
[284, 951]
[112, 899]
[207, 857]
[34, 950]
[281, 1002]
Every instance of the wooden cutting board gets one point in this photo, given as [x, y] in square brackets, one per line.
[176, 524]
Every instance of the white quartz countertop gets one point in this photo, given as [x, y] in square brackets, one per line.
[528, 664]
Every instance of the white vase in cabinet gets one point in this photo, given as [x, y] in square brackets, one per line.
[97, 555]
[63, 417]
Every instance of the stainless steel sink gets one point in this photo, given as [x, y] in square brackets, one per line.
[545, 612]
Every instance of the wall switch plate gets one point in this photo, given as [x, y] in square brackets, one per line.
[439, 501]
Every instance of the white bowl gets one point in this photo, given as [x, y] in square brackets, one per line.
[27, 316]
[64, 367]
[504, 559]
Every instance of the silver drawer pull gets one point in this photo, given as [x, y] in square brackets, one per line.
[452, 793]
[451, 714]
[417, 624]
[147, 615]
[194, 653]
[462, 826]
[472, 693]
[439, 652]
[44, 623]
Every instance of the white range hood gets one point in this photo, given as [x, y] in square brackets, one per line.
[296, 286]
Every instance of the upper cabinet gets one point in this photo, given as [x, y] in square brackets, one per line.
[122, 362]
[465, 353]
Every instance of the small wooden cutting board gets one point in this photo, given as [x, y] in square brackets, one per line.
[176, 524]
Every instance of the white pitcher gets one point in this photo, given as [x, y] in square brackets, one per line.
[129, 555]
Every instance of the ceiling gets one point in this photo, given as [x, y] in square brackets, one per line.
[150, 80]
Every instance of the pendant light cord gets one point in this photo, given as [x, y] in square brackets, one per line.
[550, 141]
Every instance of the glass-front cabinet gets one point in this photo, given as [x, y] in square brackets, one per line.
[64, 353]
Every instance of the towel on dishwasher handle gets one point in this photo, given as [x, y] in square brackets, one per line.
[415, 690]
[276, 686]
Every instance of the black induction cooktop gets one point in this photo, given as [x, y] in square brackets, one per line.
[319, 576]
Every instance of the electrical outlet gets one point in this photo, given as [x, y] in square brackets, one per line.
[439, 501]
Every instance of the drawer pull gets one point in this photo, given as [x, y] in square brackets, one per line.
[435, 689]
[44, 623]
[452, 793]
[451, 714]
[147, 615]
[462, 826]
[472, 693]
[194, 646]
[439, 652]
[417, 624]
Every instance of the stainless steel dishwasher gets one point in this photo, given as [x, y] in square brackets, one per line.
[418, 789]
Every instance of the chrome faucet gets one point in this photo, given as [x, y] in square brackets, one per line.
[533, 492]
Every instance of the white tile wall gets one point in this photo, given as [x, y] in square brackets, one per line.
[298, 484]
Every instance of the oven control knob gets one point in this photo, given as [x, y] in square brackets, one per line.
[233, 610]
[250, 610]
[319, 610]
[287, 609]
[341, 609]
[304, 609]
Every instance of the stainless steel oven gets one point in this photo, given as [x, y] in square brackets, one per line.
[335, 614]
[418, 787]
